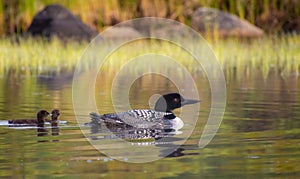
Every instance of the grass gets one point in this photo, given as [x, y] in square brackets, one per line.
[281, 54]
[33, 57]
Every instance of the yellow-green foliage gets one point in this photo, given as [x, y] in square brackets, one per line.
[281, 54]
[33, 56]
[36, 56]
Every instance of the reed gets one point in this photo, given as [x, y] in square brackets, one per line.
[279, 54]
[33, 57]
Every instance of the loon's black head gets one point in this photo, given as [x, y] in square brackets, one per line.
[169, 102]
[41, 115]
[55, 114]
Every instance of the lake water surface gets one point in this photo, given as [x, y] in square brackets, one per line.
[258, 137]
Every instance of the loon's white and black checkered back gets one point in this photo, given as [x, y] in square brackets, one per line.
[142, 118]
[147, 114]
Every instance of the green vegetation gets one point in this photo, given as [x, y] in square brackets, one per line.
[271, 15]
[268, 53]
[33, 56]
[279, 54]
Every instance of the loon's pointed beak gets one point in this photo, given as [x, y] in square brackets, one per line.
[189, 101]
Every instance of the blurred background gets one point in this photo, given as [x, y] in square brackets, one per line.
[273, 16]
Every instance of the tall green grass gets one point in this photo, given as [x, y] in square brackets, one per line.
[33, 56]
[279, 54]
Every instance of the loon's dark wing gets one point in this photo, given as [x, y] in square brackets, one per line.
[141, 118]
[23, 122]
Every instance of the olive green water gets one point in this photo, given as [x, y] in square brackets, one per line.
[258, 137]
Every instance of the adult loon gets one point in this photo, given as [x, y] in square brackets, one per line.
[147, 122]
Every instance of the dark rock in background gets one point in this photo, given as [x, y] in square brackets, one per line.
[55, 20]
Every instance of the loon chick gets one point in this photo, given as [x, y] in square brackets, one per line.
[40, 119]
[54, 122]
[54, 115]
[161, 117]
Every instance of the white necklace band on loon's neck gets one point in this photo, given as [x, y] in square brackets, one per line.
[177, 123]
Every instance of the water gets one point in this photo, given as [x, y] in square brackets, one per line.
[259, 135]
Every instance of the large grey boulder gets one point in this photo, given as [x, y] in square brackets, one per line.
[211, 21]
[55, 20]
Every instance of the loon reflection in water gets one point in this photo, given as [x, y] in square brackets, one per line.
[144, 123]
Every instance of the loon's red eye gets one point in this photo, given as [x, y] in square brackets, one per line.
[176, 100]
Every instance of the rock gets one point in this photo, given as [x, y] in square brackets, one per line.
[117, 32]
[209, 21]
[160, 28]
[55, 20]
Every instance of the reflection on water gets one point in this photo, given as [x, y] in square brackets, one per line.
[162, 143]
[259, 135]
[54, 129]
[42, 131]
